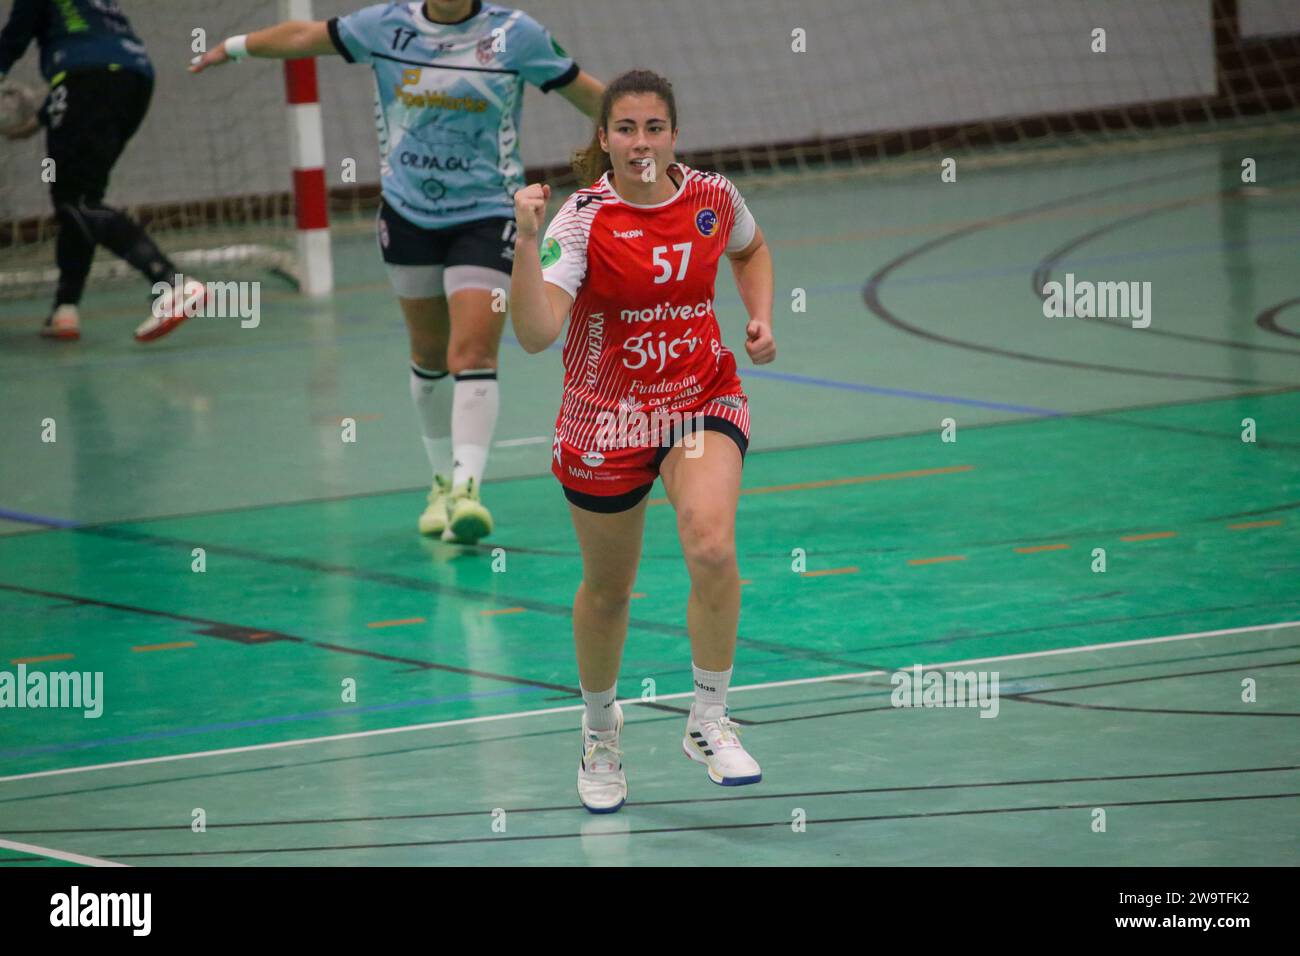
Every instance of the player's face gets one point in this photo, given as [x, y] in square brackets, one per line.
[639, 133]
[448, 11]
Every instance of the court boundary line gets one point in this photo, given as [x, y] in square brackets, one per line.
[61, 855]
[489, 718]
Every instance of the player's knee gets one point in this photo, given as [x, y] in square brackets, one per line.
[466, 359]
[430, 356]
[707, 544]
[607, 596]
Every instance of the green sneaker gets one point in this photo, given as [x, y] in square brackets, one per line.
[469, 520]
[434, 519]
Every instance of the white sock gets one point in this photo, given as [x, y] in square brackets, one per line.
[433, 407]
[601, 714]
[710, 692]
[473, 419]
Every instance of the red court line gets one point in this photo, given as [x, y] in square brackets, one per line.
[405, 620]
[41, 660]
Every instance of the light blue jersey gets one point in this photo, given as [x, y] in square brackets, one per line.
[448, 103]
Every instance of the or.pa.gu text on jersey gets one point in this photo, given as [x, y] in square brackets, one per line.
[643, 334]
[448, 100]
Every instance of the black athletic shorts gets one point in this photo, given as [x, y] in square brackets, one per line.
[489, 243]
[613, 504]
[89, 117]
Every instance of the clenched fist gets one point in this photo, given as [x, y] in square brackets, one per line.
[759, 342]
[530, 209]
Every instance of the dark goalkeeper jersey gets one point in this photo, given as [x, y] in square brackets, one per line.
[73, 35]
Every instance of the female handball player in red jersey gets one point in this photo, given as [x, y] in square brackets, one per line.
[631, 262]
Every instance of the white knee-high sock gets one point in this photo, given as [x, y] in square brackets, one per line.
[473, 419]
[432, 398]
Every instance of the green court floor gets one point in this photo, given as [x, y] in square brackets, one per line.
[1161, 690]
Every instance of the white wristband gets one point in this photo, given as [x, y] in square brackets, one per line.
[237, 47]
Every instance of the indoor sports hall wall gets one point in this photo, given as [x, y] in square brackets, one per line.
[869, 65]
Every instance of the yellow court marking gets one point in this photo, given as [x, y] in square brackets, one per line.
[1149, 537]
[816, 574]
[947, 557]
[1041, 547]
[1255, 524]
[174, 645]
[41, 660]
[405, 620]
[836, 482]
[506, 610]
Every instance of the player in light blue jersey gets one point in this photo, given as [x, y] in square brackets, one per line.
[449, 89]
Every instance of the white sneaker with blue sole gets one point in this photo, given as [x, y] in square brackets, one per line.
[715, 742]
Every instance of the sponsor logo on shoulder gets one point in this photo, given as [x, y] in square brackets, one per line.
[706, 221]
[551, 252]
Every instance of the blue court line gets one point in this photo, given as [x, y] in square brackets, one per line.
[264, 721]
[897, 392]
[48, 522]
[869, 389]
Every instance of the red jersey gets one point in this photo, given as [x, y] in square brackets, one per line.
[643, 335]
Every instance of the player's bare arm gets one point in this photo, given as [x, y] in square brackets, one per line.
[537, 308]
[293, 38]
[752, 267]
[584, 93]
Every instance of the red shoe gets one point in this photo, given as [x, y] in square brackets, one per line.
[168, 313]
[63, 323]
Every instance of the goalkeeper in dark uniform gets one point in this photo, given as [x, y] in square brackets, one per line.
[101, 81]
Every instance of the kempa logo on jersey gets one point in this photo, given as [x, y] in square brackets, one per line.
[629, 234]
[666, 310]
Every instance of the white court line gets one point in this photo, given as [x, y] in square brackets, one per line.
[355, 735]
[511, 442]
[57, 854]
